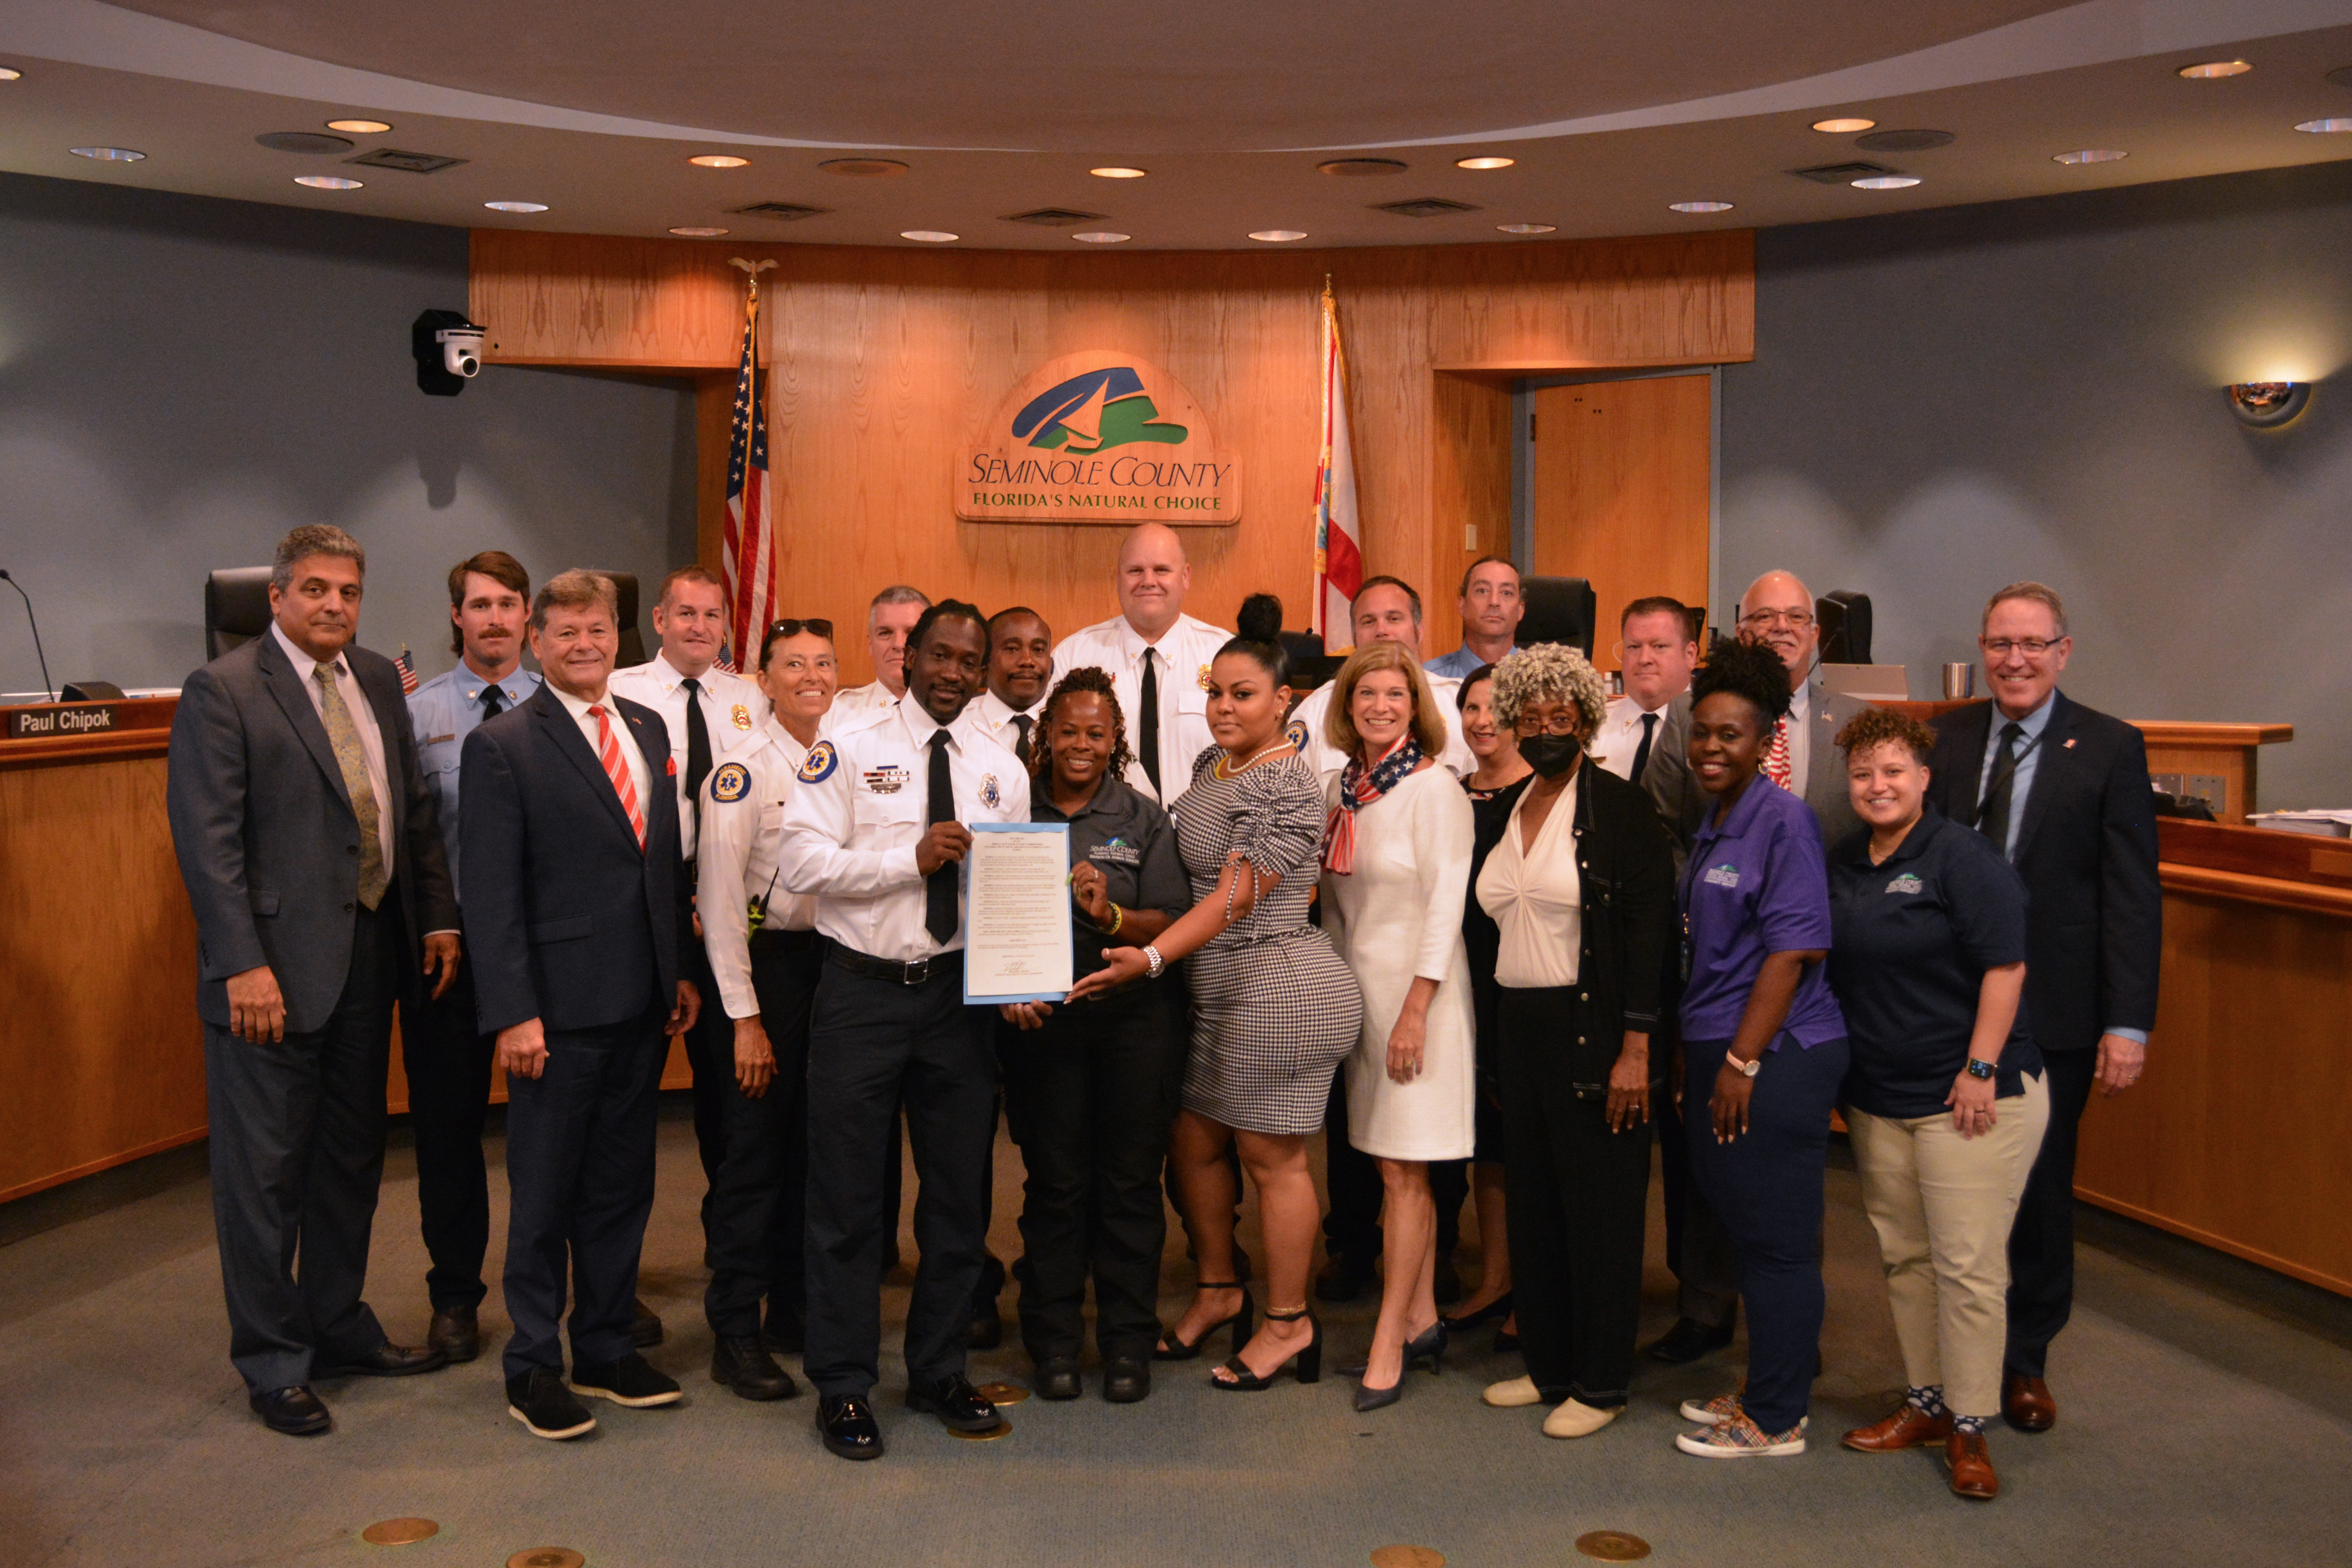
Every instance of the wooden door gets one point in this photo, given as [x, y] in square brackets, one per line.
[1620, 490]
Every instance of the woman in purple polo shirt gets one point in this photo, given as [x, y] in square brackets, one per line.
[1764, 1046]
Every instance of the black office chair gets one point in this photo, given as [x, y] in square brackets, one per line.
[236, 608]
[1843, 617]
[633, 641]
[1560, 610]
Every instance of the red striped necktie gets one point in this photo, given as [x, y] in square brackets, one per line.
[616, 768]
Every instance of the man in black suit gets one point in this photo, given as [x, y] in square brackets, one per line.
[577, 910]
[2063, 792]
[309, 845]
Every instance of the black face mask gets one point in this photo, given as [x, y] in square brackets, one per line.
[1550, 755]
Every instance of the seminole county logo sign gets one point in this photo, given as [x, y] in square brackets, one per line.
[1097, 437]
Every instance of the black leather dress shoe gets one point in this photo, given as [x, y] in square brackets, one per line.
[956, 1403]
[746, 1367]
[1343, 1278]
[847, 1426]
[1126, 1379]
[456, 1333]
[389, 1360]
[296, 1412]
[1687, 1341]
[1056, 1377]
[645, 1326]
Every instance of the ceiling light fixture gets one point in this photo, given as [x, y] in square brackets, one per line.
[2213, 70]
[1886, 183]
[2324, 127]
[2090, 155]
[1843, 127]
[2267, 405]
[328, 181]
[1527, 228]
[864, 168]
[9, 73]
[1698, 206]
[360, 127]
[1277, 236]
[108, 155]
[718, 161]
[1489, 162]
[700, 232]
[516, 206]
[1102, 237]
[1118, 172]
[929, 236]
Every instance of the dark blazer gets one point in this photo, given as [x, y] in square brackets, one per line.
[1684, 806]
[267, 843]
[567, 920]
[2094, 920]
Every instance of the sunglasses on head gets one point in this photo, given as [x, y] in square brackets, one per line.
[791, 628]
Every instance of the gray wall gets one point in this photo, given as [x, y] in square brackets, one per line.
[1945, 402]
[183, 379]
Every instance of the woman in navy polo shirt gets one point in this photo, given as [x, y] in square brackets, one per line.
[1946, 1100]
[1763, 1043]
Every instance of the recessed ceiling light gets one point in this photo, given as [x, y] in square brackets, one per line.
[108, 155]
[1886, 183]
[1484, 162]
[1843, 127]
[929, 236]
[1527, 228]
[1102, 237]
[718, 161]
[1118, 172]
[516, 206]
[698, 233]
[359, 127]
[328, 181]
[1276, 236]
[1698, 206]
[2325, 127]
[864, 168]
[2090, 155]
[9, 73]
[2214, 70]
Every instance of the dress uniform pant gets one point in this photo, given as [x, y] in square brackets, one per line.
[448, 1062]
[1090, 1098]
[2042, 1243]
[758, 1205]
[580, 1178]
[297, 1147]
[872, 1042]
[1699, 1249]
[1577, 1196]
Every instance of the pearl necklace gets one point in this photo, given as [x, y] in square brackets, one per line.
[1222, 768]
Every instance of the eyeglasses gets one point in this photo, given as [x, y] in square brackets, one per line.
[789, 628]
[1796, 620]
[2001, 648]
[1557, 724]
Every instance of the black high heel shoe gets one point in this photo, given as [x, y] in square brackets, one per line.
[1170, 1348]
[1428, 1345]
[1494, 1312]
[1306, 1361]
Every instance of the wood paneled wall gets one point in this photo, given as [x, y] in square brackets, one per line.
[885, 359]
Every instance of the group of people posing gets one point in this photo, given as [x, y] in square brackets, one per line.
[1494, 930]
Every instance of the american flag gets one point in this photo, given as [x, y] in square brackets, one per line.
[407, 667]
[750, 528]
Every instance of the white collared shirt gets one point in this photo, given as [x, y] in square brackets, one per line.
[1620, 735]
[858, 700]
[641, 775]
[355, 703]
[1184, 654]
[1328, 760]
[733, 710]
[996, 716]
[742, 827]
[858, 810]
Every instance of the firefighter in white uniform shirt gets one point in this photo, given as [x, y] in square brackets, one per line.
[888, 619]
[1657, 652]
[1385, 609]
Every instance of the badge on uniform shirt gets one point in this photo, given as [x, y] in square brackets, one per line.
[1296, 733]
[888, 779]
[818, 765]
[1205, 678]
[1724, 876]
[742, 717]
[1905, 883]
[730, 783]
[989, 796]
[438, 740]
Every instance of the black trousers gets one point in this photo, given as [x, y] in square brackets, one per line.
[297, 1147]
[580, 1180]
[2042, 1241]
[449, 1062]
[710, 1057]
[1090, 1098]
[873, 1043]
[759, 1204]
[1698, 1248]
[1579, 1195]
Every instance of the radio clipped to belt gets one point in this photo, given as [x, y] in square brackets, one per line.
[756, 912]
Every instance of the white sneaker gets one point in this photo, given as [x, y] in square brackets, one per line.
[1514, 1394]
[1573, 1419]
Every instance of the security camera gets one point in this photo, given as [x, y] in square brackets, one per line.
[449, 352]
[461, 350]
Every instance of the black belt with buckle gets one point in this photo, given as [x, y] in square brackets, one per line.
[922, 971]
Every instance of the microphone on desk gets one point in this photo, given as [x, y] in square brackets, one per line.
[29, 621]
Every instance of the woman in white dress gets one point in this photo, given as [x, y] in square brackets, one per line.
[1396, 869]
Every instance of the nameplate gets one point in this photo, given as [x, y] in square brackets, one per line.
[47, 724]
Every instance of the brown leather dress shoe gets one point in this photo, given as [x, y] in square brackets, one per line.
[1908, 1427]
[1966, 1457]
[2028, 1404]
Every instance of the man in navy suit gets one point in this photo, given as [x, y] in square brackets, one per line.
[2063, 791]
[577, 909]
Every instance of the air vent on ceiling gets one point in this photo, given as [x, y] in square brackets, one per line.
[1425, 207]
[1903, 141]
[1843, 173]
[414, 163]
[787, 211]
[304, 141]
[1056, 217]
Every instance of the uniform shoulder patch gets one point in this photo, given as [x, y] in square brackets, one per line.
[731, 783]
[819, 767]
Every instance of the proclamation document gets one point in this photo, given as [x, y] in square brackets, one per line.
[1016, 939]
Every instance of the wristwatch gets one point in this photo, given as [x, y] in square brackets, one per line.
[1744, 1069]
[1980, 1068]
[1155, 963]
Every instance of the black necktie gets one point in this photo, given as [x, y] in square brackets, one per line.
[1642, 752]
[939, 887]
[1022, 722]
[1994, 819]
[1147, 734]
[494, 702]
[697, 748]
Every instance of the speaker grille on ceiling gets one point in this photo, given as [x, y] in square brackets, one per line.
[1057, 217]
[1903, 141]
[413, 162]
[1843, 173]
[787, 211]
[1425, 207]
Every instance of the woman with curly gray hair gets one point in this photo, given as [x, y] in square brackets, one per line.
[1581, 887]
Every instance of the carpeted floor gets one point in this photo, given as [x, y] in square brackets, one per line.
[2206, 1417]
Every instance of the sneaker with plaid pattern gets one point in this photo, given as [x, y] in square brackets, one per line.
[1740, 1438]
[1714, 1412]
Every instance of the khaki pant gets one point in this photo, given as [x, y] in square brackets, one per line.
[1942, 1205]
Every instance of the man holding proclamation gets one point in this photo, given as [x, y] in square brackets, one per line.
[875, 832]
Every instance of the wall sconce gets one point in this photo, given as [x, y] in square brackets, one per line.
[2267, 405]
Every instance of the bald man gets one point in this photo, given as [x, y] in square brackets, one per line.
[1157, 657]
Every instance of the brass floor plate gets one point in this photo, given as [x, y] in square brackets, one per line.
[399, 1532]
[1002, 1429]
[1612, 1546]
[1001, 1392]
[1408, 1557]
[547, 1557]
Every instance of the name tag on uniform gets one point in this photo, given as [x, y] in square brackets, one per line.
[1724, 876]
[438, 740]
[888, 779]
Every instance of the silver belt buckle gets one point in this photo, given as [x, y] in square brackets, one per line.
[915, 973]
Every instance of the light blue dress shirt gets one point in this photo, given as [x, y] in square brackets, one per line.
[1459, 665]
[444, 711]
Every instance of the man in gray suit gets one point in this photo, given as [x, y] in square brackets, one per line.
[308, 842]
[1777, 611]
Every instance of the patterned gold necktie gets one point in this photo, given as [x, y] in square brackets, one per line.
[351, 758]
